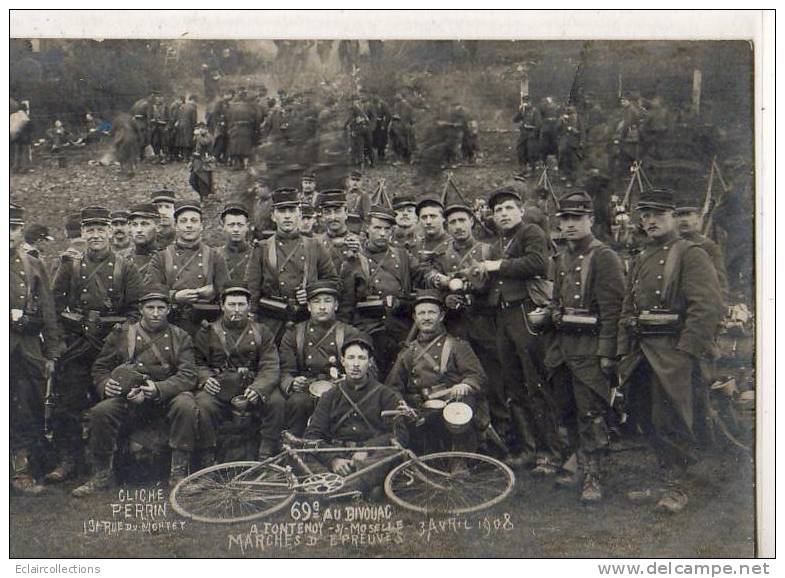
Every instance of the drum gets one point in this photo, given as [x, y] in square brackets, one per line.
[457, 416]
[434, 404]
[319, 387]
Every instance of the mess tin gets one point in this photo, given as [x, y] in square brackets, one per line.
[319, 387]
[241, 411]
[457, 416]
[434, 404]
[274, 308]
[233, 384]
[127, 378]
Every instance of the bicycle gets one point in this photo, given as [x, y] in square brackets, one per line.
[445, 482]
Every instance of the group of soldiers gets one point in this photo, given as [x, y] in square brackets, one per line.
[144, 323]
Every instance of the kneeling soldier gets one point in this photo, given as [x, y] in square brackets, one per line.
[236, 357]
[588, 293]
[139, 373]
[311, 351]
[436, 365]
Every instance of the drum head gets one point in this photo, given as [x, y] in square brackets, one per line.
[319, 387]
[457, 415]
[434, 404]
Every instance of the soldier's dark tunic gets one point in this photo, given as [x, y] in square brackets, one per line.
[588, 276]
[524, 254]
[529, 137]
[714, 251]
[140, 255]
[279, 266]
[437, 362]
[240, 118]
[236, 257]
[223, 348]
[189, 266]
[164, 237]
[167, 357]
[109, 286]
[309, 349]
[29, 293]
[426, 246]
[335, 245]
[661, 371]
[405, 238]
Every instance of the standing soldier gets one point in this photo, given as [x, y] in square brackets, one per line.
[528, 146]
[588, 293]
[308, 185]
[141, 111]
[283, 265]
[381, 126]
[236, 356]
[216, 122]
[358, 201]
[669, 320]
[120, 239]
[569, 146]
[358, 128]
[91, 294]
[240, 119]
[517, 268]
[549, 131]
[380, 281]
[332, 206]
[142, 221]
[405, 231]
[311, 351]
[141, 369]
[191, 269]
[32, 359]
[158, 122]
[690, 222]
[402, 136]
[236, 250]
[173, 113]
[164, 201]
[184, 128]
[202, 163]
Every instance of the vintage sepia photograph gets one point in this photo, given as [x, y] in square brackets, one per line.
[345, 294]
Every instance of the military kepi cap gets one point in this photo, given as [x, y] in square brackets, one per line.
[73, 225]
[16, 214]
[307, 210]
[357, 339]
[688, 204]
[235, 209]
[458, 208]
[429, 202]
[181, 206]
[322, 287]
[143, 211]
[95, 216]
[235, 289]
[382, 212]
[286, 197]
[575, 203]
[331, 198]
[162, 196]
[657, 199]
[121, 216]
[428, 296]
[501, 195]
[402, 201]
[155, 291]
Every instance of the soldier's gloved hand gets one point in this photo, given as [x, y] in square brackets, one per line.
[150, 390]
[607, 365]
[135, 396]
[460, 390]
[302, 297]
[186, 296]
[341, 466]
[112, 388]
[212, 386]
[299, 383]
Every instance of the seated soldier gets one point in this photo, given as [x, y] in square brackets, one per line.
[138, 375]
[436, 365]
[237, 358]
[349, 415]
[311, 351]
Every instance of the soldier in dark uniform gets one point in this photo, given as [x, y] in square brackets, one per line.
[518, 266]
[380, 281]
[240, 119]
[669, 320]
[402, 136]
[236, 356]
[283, 265]
[405, 234]
[381, 125]
[528, 145]
[308, 187]
[549, 130]
[437, 365]
[569, 139]
[120, 240]
[35, 344]
[164, 201]
[173, 112]
[142, 222]
[456, 275]
[430, 215]
[307, 220]
[141, 369]
[581, 358]
[191, 269]
[350, 415]
[236, 250]
[311, 350]
[217, 123]
[141, 111]
[358, 128]
[158, 123]
[91, 294]
[690, 222]
[184, 128]
[358, 201]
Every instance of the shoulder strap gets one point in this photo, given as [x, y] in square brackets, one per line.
[222, 340]
[207, 264]
[672, 269]
[356, 407]
[446, 351]
[586, 270]
[130, 337]
[299, 341]
[406, 277]
[27, 266]
[365, 267]
[340, 335]
[169, 265]
[272, 254]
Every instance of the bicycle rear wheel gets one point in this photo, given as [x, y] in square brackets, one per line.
[233, 492]
[449, 483]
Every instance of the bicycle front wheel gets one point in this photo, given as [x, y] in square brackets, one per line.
[449, 483]
[233, 492]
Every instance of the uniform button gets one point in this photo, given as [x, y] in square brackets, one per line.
[310, 343]
[662, 262]
[577, 268]
[310, 357]
[659, 276]
[84, 264]
[109, 276]
[282, 283]
[665, 248]
[332, 343]
[199, 255]
[580, 256]
[22, 284]
[198, 264]
[140, 364]
[166, 335]
[578, 283]
[577, 297]
[198, 276]
[174, 266]
[84, 276]
[138, 338]
[84, 290]
[657, 292]
[310, 329]
[501, 282]
[109, 264]
[110, 289]
[562, 273]
[166, 348]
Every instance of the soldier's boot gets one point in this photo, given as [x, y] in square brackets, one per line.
[591, 490]
[525, 436]
[181, 462]
[102, 478]
[64, 470]
[22, 479]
